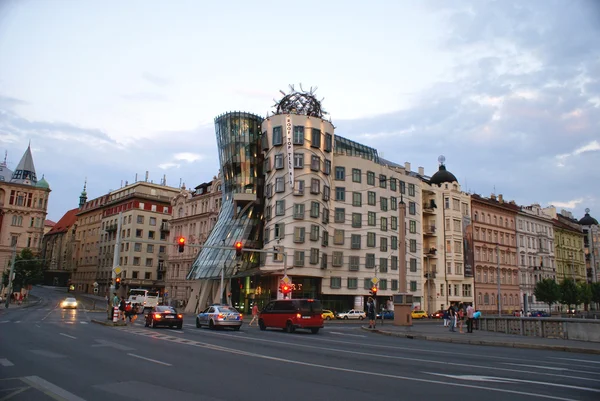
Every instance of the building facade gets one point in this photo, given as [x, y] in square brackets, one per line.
[535, 241]
[145, 206]
[591, 241]
[23, 209]
[194, 214]
[568, 246]
[496, 268]
[59, 250]
[447, 242]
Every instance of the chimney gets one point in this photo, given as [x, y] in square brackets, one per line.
[407, 166]
[421, 171]
[146, 175]
[500, 198]
[493, 196]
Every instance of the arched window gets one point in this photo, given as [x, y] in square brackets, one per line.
[486, 299]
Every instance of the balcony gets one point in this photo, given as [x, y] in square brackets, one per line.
[431, 252]
[164, 227]
[111, 227]
[429, 230]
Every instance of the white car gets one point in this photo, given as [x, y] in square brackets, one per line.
[352, 314]
[69, 303]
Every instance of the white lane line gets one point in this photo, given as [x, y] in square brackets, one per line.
[576, 360]
[37, 325]
[150, 360]
[18, 321]
[5, 321]
[345, 334]
[84, 322]
[51, 310]
[177, 331]
[45, 386]
[66, 335]
[551, 368]
[5, 362]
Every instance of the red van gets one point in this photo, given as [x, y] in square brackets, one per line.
[292, 314]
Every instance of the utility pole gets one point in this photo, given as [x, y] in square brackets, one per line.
[221, 287]
[12, 271]
[499, 289]
[116, 255]
[429, 310]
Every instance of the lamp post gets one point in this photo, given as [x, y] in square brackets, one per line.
[10, 274]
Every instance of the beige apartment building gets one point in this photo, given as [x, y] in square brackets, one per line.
[23, 208]
[447, 242]
[145, 206]
[194, 214]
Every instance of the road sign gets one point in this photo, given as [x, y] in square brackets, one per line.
[375, 280]
[95, 284]
[117, 270]
[286, 280]
[95, 290]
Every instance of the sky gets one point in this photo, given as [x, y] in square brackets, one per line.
[507, 91]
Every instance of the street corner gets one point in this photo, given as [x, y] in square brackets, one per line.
[109, 323]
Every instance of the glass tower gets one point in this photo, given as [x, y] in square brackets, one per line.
[240, 218]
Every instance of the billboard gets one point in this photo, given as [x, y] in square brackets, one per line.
[469, 257]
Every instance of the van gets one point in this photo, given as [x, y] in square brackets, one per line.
[292, 314]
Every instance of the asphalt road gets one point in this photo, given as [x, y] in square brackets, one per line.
[47, 353]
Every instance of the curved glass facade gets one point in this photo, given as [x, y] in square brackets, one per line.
[240, 218]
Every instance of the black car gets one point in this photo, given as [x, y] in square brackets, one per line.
[164, 316]
[539, 313]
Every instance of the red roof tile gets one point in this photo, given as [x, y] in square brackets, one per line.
[65, 222]
[49, 223]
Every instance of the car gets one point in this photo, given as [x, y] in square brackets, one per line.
[292, 314]
[437, 315]
[352, 314]
[327, 314]
[387, 314]
[539, 313]
[418, 314]
[163, 315]
[220, 316]
[69, 303]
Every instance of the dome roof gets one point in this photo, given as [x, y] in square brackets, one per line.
[43, 183]
[588, 220]
[442, 176]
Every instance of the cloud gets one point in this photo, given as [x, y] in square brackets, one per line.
[9, 103]
[146, 96]
[155, 79]
[572, 204]
[166, 166]
[188, 157]
[593, 146]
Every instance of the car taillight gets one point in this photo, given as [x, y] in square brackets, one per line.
[241, 316]
[220, 316]
[180, 316]
[157, 316]
[298, 315]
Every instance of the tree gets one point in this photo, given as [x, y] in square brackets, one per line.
[595, 287]
[585, 293]
[569, 293]
[547, 291]
[28, 270]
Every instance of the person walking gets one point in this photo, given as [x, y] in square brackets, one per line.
[254, 315]
[460, 315]
[446, 317]
[371, 312]
[470, 313]
[452, 318]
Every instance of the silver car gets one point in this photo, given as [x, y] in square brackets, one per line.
[69, 303]
[219, 316]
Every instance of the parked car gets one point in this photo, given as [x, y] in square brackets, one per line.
[69, 303]
[539, 313]
[327, 314]
[437, 315]
[352, 314]
[220, 316]
[419, 314]
[292, 314]
[164, 316]
[387, 314]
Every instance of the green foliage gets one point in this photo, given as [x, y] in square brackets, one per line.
[595, 288]
[585, 293]
[547, 291]
[28, 270]
[569, 292]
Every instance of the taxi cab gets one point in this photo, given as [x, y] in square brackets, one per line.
[327, 314]
[418, 314]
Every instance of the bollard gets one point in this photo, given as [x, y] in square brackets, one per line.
[115, 314]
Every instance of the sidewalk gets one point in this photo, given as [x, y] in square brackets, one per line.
[436, 332]
[31, 301]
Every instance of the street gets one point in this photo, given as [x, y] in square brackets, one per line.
[47, 353]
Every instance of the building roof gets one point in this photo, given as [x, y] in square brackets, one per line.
[511, 205]
[442, 176]
[65, 222]
[49, 223]
[43, 183]
[5, 172]
[588, 220]
[25, 171]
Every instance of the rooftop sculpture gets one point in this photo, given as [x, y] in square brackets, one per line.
[300, 102]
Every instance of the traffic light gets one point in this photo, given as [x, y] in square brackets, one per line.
[181, 244]
[373, 291]
[285, 288]
[117, 283]
[238, 248]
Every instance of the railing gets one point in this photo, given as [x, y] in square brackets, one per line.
[431, 251]
[111, 227]
[429, 230]
[549, 327]
[165, 227]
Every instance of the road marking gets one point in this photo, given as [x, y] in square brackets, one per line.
[511, 380]
[5, 362]
[84, 322]
[51, 310]
[150, 360]
[66, 335]
[104, 343]
[345, 334]
[47, 387]
[576, 360]
[5, 321]
[177, 331]
[552, 368]
[37, 325]
[18, 321]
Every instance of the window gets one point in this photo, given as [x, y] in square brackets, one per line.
[384, 224]
[298, 258]
[371, 218]
[412, 226]
[327, 169]
[315, 138]
[356, 220]
[356, 199]
[279, 230]
[371, 198]
[355, 241]
[394, 222]
[149, 262]
[411, 189]
[335, 282]
[140, 219]
[394, 285]
[352, 283]
[371, 239]
[356, 175]
[298, 211]
[325, 217]
[413, 265]
[277, 136]
[314, 256]
[150, 248]
[328, 142]
[314, 232]
[393, 203]
[152, 221]
[137, 247]
[267, 234]
[370, 262]
[139, 233]
[325, 239]
[394, 242]
[267, 164]
[279, 161]
[382, 181]
[323, 261]
[413, 286]
[315, 163]
[354, 263]
[402, 187]
[383, 244]
[340, 173]
[298, 135]
[370, 178]
[315, 186]
[269, 190]
[279, 184]
[393, 184]
[338, 258]
[412, 208]
[314, 209]
[383, 203]
[299, 187]
[268, 212]
[280, 208]
[413, 245]
[338, 237]
[298, 160]
[326, 193]
[394, 262]
[340, 215]
[340, 194]
[383, 284]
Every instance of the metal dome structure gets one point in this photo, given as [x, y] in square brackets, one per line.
[588, 220]
[300, 102]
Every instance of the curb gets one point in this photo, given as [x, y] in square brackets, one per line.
[110, 324]
[418, 336]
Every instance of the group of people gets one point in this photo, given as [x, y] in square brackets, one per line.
[126, 309]
[455, 316]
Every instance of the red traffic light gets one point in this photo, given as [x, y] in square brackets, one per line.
[118, 279]
[285, 288]
[238, 248]
[181, 240]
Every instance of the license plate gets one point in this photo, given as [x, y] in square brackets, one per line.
[169, 317]
[305, 317]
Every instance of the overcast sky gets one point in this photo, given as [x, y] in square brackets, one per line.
[508, 91]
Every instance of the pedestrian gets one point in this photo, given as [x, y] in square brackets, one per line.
[470, 313]
[371, 312]
[460, 315]
[452, 318]
[446, 317]
[122, 307]
[254, 314]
